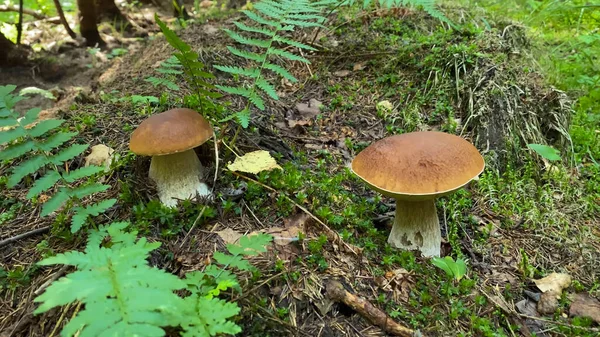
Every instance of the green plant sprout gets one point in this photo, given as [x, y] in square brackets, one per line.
[455, 269]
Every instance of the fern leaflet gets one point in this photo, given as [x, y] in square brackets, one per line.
[38, 146]
[271, 19]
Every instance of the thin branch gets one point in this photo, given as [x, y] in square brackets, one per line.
[20, 23]
[24, 235]
[63, 20]
[30, 12]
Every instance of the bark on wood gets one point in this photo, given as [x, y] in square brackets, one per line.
[337, 292]
[30, 12]
[87, 23]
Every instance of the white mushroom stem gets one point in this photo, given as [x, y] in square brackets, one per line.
[416, 226]
[178, 176]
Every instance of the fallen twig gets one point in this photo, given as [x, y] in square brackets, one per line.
[24, 235]
[337, 292]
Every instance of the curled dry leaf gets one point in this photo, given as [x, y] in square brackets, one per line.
[553, 282]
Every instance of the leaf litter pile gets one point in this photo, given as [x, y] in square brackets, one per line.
[532, 269]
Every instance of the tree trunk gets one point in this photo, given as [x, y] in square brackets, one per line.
[87, 23]
[108, 11]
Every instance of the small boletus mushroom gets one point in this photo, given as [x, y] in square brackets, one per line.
[415, 168]
[170, 138]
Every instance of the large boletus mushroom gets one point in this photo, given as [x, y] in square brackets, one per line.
[170, 138]
[415, 168]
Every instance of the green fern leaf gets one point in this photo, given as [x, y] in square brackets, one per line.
[212, 321]
[255, 17]
[232, 261]
[281, 72]
[254, 29]
[43, 184]
[246, 54]
[8, 121]
[243, 117]
[31, 116]
[68, 153]
[171, 37]
[82, 172]
[257, 100]
[82, 213]
[303, 24]
[287, 55]
[244, 40]
[292, 43]
[44, 126]
[267, 88]
[87, 190]
[16, 150]
[11, 135]
[235, 90]
[26, 168]
[252, 72]
[56, 140]
[57, 200]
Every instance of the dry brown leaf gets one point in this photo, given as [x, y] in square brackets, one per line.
[342, 73]
[310, 109]
[229, 235]
[586, 306]
[358, 66]
[293, 123]
[553, 282]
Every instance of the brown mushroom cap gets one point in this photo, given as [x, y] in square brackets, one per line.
[169, 132]
[418, 165]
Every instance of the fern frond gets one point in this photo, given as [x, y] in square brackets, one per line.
[293, 43]
[255, 17]
[259, 30]
[247, 55]
[281, 72]
[243, 117]
[83, 213]
[26, 168]
[68, 153]
[8, 122]
[122, 294]
[43, 184]
[16, 150]
[87, 190]
[11, 135]
[55, 141]
[31, 116]
[287, 55]
[235, 90]
[44, 126]
[265, 86]
[82, 172]
[54, 203]
[244, 40]
[252, 72]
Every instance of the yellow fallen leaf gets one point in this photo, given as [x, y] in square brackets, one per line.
[554, 282]
[254, 162]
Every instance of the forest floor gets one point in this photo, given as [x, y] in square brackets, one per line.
[522, 220]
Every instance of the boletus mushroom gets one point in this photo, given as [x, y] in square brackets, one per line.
[416, 168]
[170, 138]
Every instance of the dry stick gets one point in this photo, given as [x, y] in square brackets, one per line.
[24, 235]
[63, 20]
[337, 292]
[33, 13]
[54, 277]
[330, 233]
